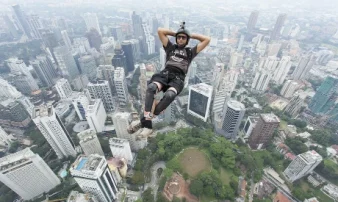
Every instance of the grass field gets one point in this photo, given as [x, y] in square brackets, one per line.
[194, 161]
[225, 176]
[314, 192]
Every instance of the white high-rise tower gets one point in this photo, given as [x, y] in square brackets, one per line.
[52, 128]
[92, 21]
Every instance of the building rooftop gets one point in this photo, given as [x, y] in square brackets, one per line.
[272, 118]
[75, 196]
[87, 163]
[311, 156]
[253, 119]
[117, 141]
[234, 104]
[42, 111]
[87, 135]
[15, 159]
[280, 197]
[202, 88]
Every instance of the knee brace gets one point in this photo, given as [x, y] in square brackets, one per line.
[167, 99]
[151, 91]
[152, 88]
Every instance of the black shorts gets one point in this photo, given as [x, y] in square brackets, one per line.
[169, 79]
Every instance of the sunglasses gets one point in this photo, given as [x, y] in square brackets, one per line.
[181, 37]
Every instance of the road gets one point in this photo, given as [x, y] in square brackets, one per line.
[153, 184]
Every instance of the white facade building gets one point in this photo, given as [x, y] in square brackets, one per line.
[200, 100]
[90, 143]
[92, 174]
[27, 174]
[282, 70]
[120, 148]
[80, 102]
[289, 88]
[7, 90]
[302, 165]
[304, 66]
[4, 137]
[63, 88]
[121, 86]
[54, 131]
[101, 90]
[96, 115]
[66, 39]
[261, 80]
[92, 21]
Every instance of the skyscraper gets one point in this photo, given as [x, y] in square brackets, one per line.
[263, 131]
[80, 103]
[11, 27]
[22, 20]
[278, 26]
[282, 70]
[294, 106]
[90, 143]
[127, 48]
[137, 25]
[66, 39]
[14, 114]
[45, 70]
[27, 174]
[24, 84]
[8, 91]
[119, 59]
[94, 38]
[66, 62]
[88, 66]
[101, 90]
[4, 137]
[120, 148]
[92, 21]
[199, 100]
[92, 174]
[252, 20]
[106, 72]
[323, 95]
[289, 88]
[35, 26]
[117, 33]
[304, 66]
[261, 80]
[121, 86]
[63, 88]
[302, 165]
[96, 115]
[136, 49]
[233, 113]
[18, 67]
[162, 58]
[54, 131]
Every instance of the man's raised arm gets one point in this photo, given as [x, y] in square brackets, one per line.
[204, 41]
[163, 33]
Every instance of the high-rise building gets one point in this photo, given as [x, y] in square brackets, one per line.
[121, 86]
[273, 49]
[90, 143]
[121, 122]
[127, 48]
[169, 113]
[136, 49]
[14, 114]
[282, 70]
[75, 196]
[120, 148]
[148, 40]
[137, 25]
[261, 80]
[302, 165]
[25, 84]
[263, 131]
[96, 115]
[17, 66]
[11, 27]
[94, 39]
[66, 62]
[7, 90]
[22, 20]
[101, 90]
[116, 32]
[66, 39]
[106, 72]
[82, 44]
[27, 174]
[278, 26]
[249, 126]
[80, 82]
[199, 100]
[119, 59]
[4, 137]
[163, 56]
[63, 88]
[289, 88]
[45, 70]
[92, 22]
[88, 66]
[252, 20]
[294, 106]
[52, 128]
[235, 59]
[92, 174]
[35, 26]
[323, 94]
[80, 103]
[304, 66]
[233, 113]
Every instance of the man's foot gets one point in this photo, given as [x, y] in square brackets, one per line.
[134, 126]
[146, 132]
